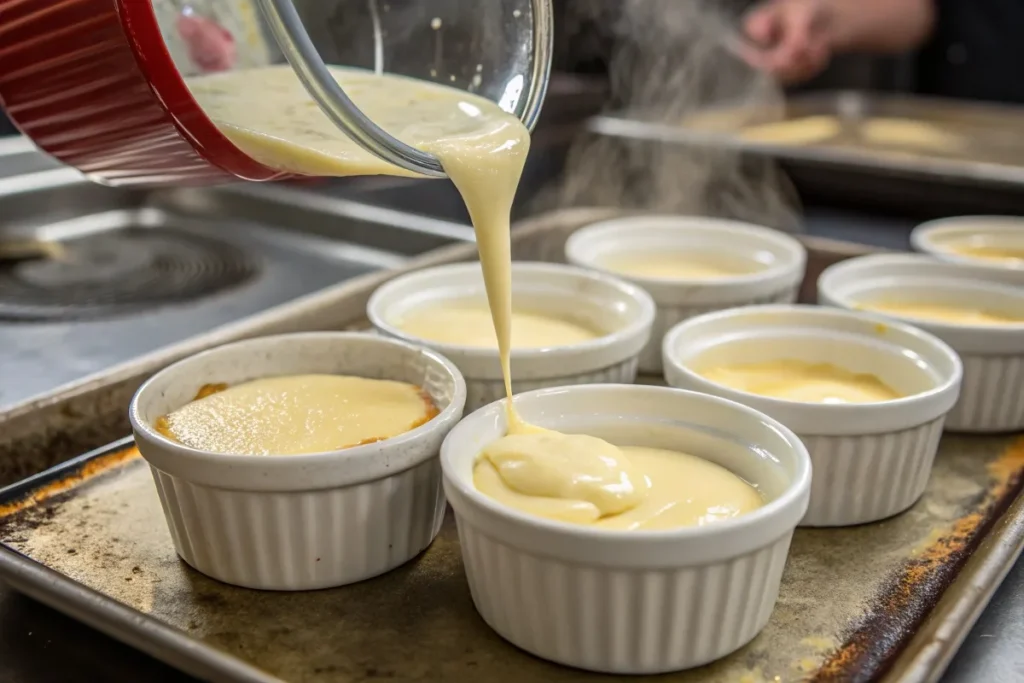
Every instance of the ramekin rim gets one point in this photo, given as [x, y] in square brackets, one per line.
[828, 289]
[797, 487]
[635, 328]
[363, 452]
[947, 384]
[795, 251]
[922, 238]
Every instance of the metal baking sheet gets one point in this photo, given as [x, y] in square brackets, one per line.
[884, 601]
[89, 538]
[991, 136]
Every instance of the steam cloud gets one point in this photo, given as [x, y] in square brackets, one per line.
[670, 60]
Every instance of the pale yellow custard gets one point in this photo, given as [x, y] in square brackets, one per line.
[298, 414]
[880, 131]
[268, 113]
[469, 323]
[894, 132]
[808, 130]
[960, 315]
[987, 252]
[795, 380]
[588, 481]
[670, 265]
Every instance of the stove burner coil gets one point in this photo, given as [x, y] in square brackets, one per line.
[115, 273]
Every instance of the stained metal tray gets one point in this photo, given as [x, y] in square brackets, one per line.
[993, 135]
[891, 600]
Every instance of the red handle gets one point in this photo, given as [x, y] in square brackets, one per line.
[92, 83]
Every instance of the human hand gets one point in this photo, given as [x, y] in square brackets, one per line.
[791, 39]
[211, 47]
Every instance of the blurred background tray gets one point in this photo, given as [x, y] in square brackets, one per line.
[988, 170]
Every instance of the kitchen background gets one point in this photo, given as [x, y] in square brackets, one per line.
[208, 258]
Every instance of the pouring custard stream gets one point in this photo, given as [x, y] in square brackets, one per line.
[481, 147]
[483, 150]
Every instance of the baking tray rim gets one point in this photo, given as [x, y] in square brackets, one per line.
[615, 124]
[942, 633]
[977, 171]
[98, 610]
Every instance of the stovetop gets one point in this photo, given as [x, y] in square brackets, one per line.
[118, 271]
[92, 276]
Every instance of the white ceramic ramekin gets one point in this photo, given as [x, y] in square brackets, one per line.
[301, 522]
[626, 602]
[782, 261]
[939, 237]
[871, 460]
[992, 395]
[623, 311]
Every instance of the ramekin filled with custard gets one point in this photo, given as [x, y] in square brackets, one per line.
[569, 325]
[995, 243]
[867, 395]
[691, 265]
[300, 461]
[968, 307]
[626, 529]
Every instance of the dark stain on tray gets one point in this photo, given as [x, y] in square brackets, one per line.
[39, 497]
[425, 604]
[913, 591]
[52, 434]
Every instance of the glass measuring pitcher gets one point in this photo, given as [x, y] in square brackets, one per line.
[102, 84]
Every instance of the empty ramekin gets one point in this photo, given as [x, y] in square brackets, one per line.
[941, 237]
[780, 259]
[992, 395]
[300, 522]
[871, 460]
[631, 602]
[623, 311]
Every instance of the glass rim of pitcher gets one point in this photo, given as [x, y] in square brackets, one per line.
[290, 33]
